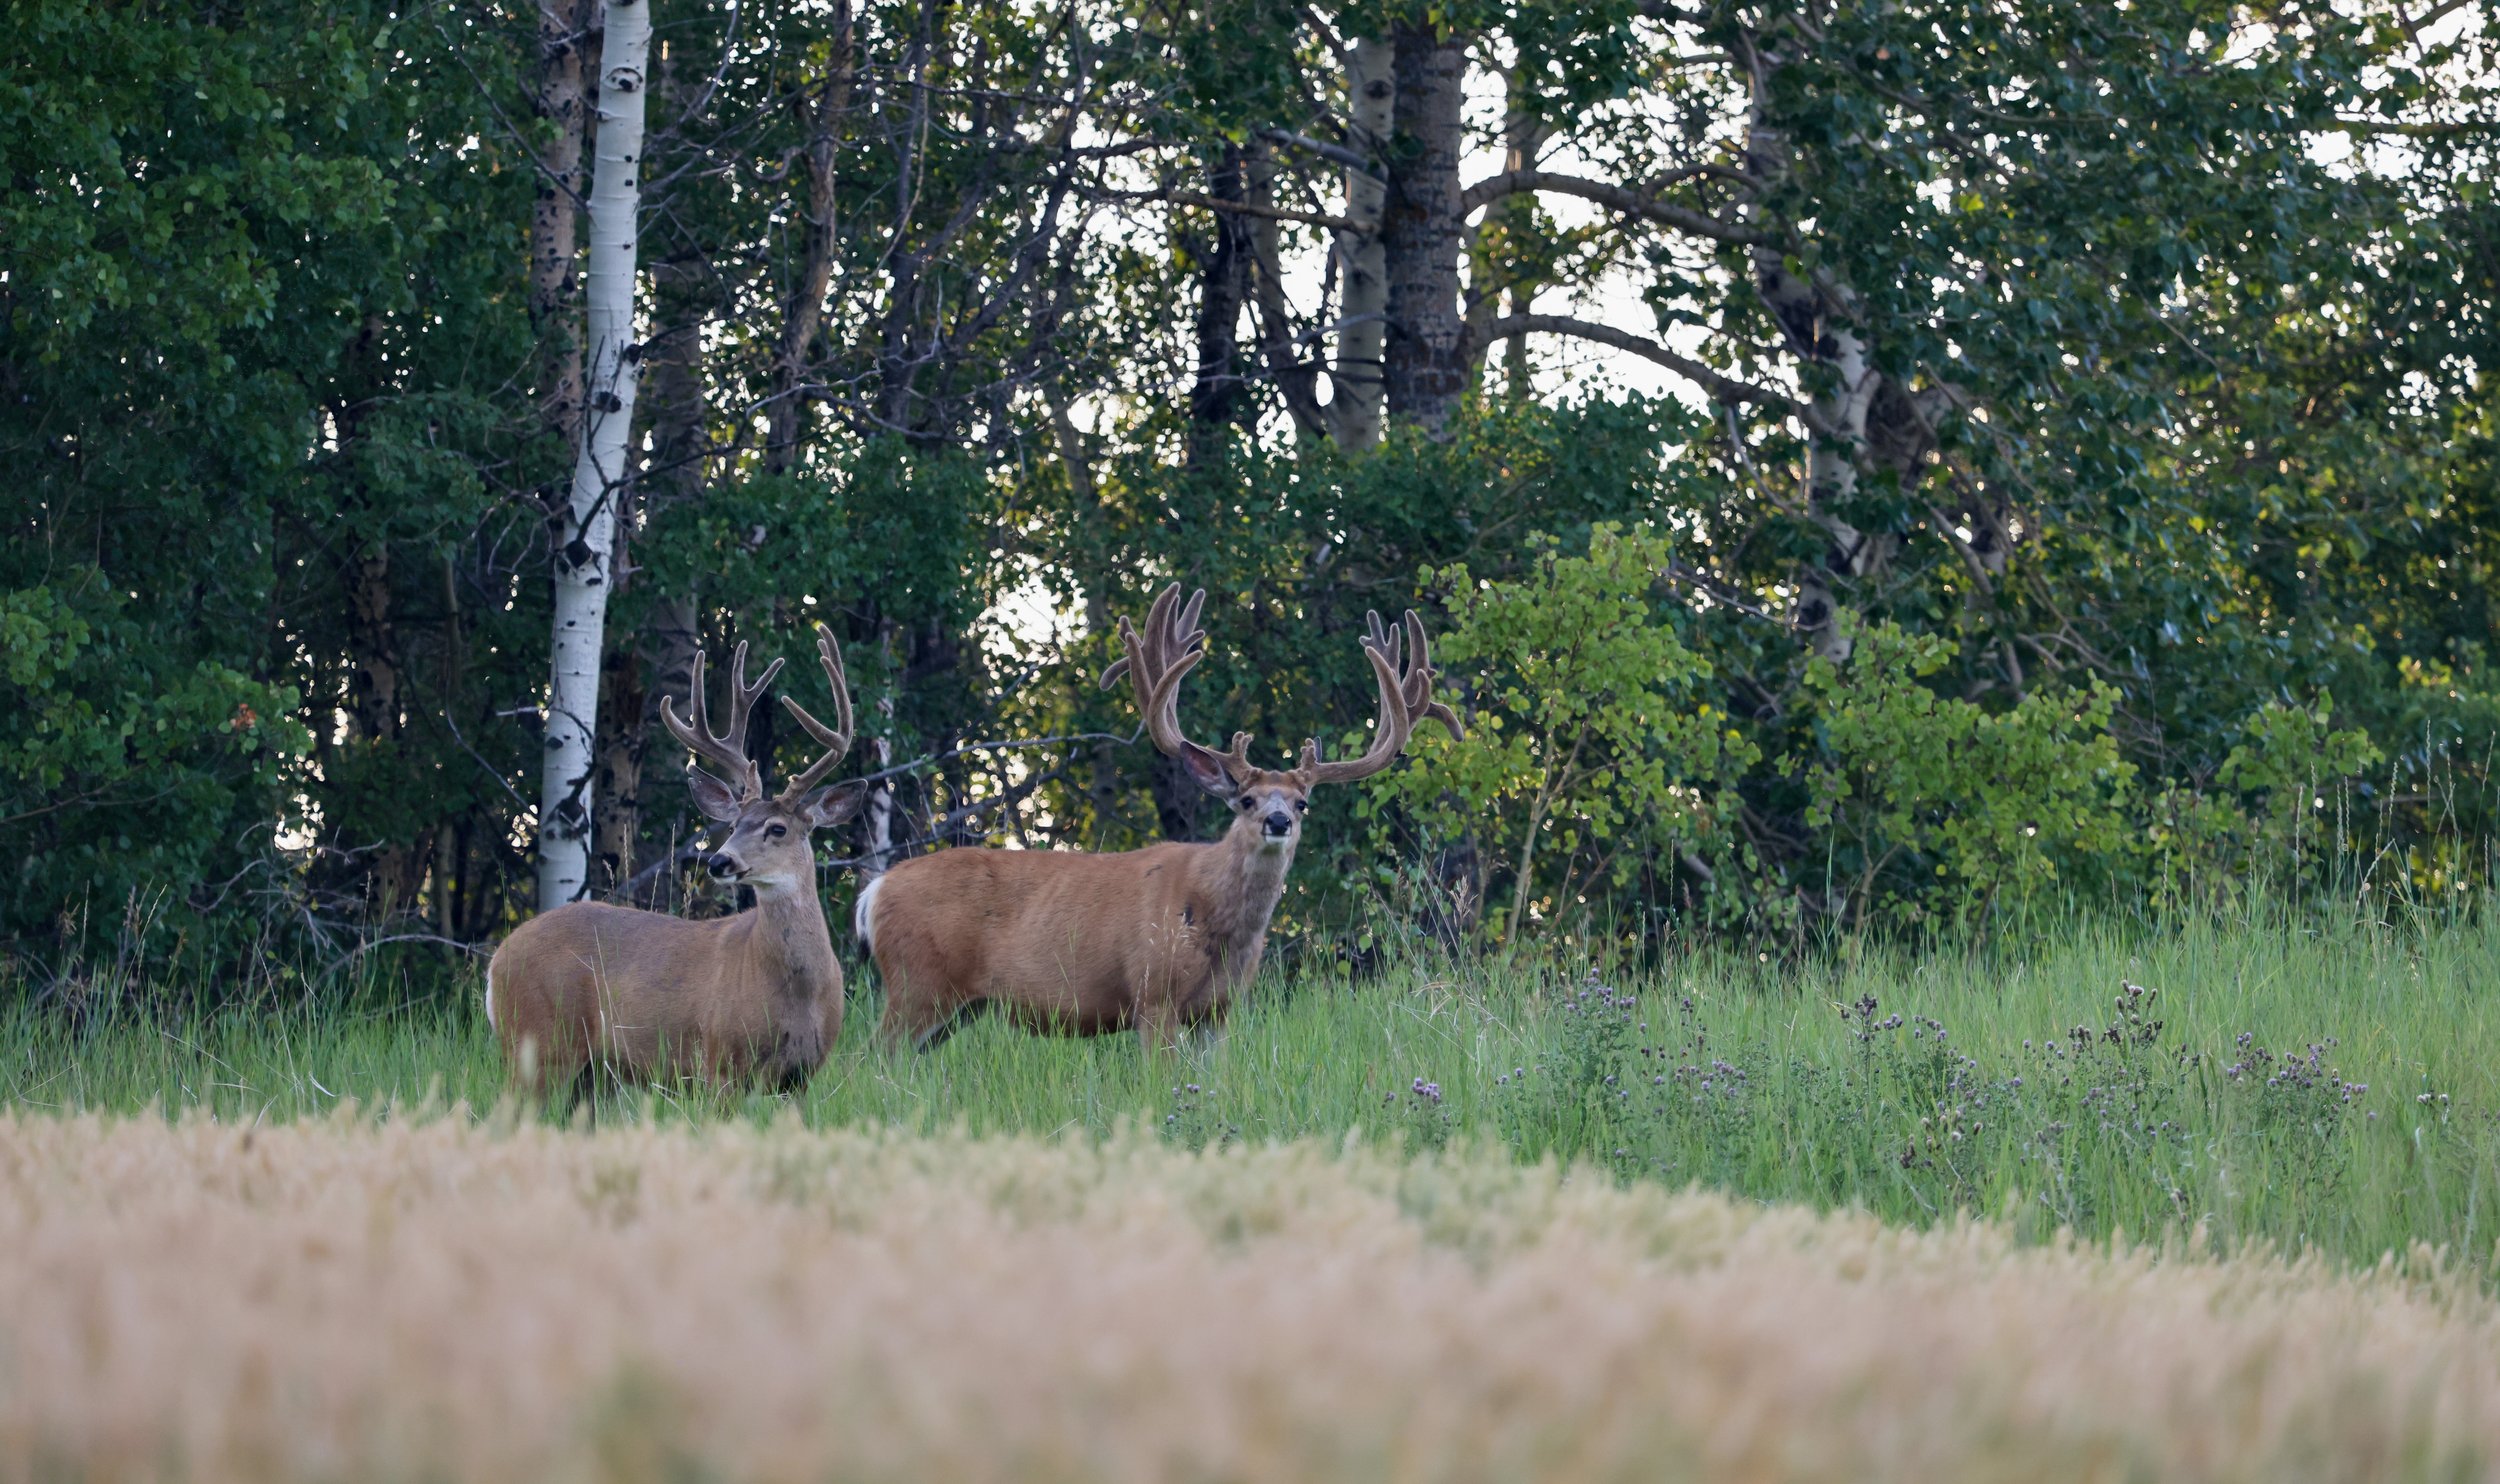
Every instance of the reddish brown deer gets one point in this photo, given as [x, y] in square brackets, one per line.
[1159, 939]
[589, 988]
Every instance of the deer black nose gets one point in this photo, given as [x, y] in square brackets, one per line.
[1280, 823]
[721, 866]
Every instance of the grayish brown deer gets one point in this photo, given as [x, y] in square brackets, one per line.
[589, 988]
[1159, 939]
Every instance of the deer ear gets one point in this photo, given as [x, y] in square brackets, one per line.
[716, 799]
[1207, 770]
[827, 807]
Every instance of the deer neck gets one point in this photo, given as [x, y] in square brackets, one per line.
[1242, 879]
[790, 938]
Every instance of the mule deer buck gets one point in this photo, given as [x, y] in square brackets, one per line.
[590, 987]
[1156, 940]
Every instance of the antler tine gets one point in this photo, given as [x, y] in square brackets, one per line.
[1389, 728]
[743, 698]
[835, 739]
[1165, 654]
[741, 702]
[1410, 654]
[1155, 663]
[1419, 678]
[728, 749]
[1401, 661]
[1185, 628]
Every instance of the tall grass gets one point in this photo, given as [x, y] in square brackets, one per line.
[431, 1298]
[2327, 1088]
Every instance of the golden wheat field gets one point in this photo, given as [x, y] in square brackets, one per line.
[440, 1298]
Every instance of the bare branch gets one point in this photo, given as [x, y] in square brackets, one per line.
[1722, 594]
[2423, 130]
[1721, 386]
[1337, 153]
[1615, 197]
[1238, 208]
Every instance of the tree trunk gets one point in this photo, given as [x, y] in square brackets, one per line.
[629, 701]
[394, 870]
[804, 312]
[1176, 797]
[1357, 379]
[933, 652]
[671, 620]
[1817, 318]
[450, 840]
[1294, 370]
[664, 658]
[1495, 264]
[1831, 481]
[901, 356]
[656, 658]
[1423, 229]
[616, 810]
[554, 246]
[1102, 777]
[373, 673]
[876, 816]
[585, 535]
[1218, 391]
[1458, 870]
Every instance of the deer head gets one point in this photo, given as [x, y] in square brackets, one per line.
[1268, 804]
[767, 844]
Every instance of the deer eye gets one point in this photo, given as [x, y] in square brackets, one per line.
[1245, 805]
[775, 831]
[1301, 804]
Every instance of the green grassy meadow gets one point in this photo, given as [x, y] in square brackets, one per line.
[2311, 1089]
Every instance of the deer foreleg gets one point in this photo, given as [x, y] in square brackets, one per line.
[1158, 1027]
[920, 1022]
[1207, 1037]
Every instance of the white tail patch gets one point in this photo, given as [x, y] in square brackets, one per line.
[863, 914]
[490, 994]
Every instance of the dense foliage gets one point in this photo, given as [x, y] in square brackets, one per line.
[2077, 483]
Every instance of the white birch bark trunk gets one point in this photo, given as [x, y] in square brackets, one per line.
[1358, 378]
[586, 527]
[1818, 320]
[877, 817]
